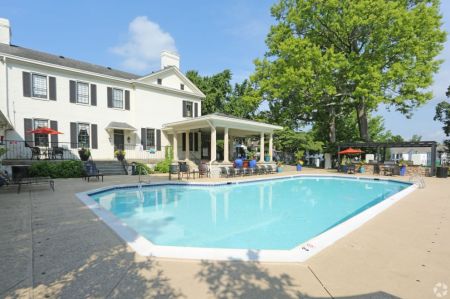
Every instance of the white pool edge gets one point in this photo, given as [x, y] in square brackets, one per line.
[300, 253]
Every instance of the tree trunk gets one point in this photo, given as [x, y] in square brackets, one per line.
[332, 125]
[361, 113]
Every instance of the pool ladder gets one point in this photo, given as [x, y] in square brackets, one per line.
[418, 180]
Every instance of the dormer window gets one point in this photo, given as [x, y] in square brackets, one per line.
[159, 81]
[182, 86]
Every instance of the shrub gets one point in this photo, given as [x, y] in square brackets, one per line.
[143, 169]
[64, 169]
[164, 166]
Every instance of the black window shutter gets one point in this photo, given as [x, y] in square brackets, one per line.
[54, 137]
[93, 95]
[184, 109]
[127, 100]
[94, 137]
[183, 141]
[28, 125]
[191, 141]
[195, 109]
[73, 91]
[158, 140]
[26, 81]
[52, 87]
[196, 142]
[73, 135]
[144, 138]
[110, 97]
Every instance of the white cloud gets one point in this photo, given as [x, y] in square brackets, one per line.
[145, 42]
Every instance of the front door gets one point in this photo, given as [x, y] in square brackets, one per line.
[119, 140]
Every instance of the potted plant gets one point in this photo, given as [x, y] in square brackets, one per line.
[402, 163]
[266, 157]
[84, 154]
[119, 154]
[299, 157]
[362, 168]
[279, 167]
[251, 157]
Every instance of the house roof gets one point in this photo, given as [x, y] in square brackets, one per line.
[64, 61]
[240, 125]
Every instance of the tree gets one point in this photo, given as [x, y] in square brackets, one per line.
[291, 141]
[217, 89]
[243, 101]
[416, 138]
[443, 115]
[325, 57]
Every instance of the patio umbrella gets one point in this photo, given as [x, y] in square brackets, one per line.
[351, 151]
[45, 130]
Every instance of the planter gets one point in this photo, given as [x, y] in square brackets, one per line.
[362, 169]
[266, 158]
[238, 163]
[299, 167]
[279, 169]
[442, 172]
[83, 156]
[252, 163]
[403, 170]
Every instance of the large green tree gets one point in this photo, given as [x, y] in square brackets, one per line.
[326, 57]
[443, 115]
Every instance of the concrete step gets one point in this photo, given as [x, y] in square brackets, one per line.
[111, 167]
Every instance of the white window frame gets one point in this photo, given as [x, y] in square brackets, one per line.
[35, 95]
[88, 132]
[192, 109]
[123, 98]
[77, 94]
[36, 142]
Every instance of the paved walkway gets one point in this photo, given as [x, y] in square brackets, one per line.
[52, 246]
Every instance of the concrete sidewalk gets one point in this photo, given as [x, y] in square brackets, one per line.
[52, 246]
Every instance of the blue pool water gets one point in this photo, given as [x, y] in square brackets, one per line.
[275, 214]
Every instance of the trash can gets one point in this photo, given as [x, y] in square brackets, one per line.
[441, 172]
[133, 168]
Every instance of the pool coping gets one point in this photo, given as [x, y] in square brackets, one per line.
[300, 253]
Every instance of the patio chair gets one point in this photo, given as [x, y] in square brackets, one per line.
[57, 151]
[184, 170]
[203, 169]
[174, 169]
[35, 152]
[90, 170]
[224, 172]
[269, 169]
[351, 169]
[232, 171]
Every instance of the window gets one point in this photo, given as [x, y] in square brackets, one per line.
[159, 81]
[117, 98]
[150, 138]
[40, 139]
[182, 86]
[39, 86]
[82, 93]
[83, 135]
[188, 109]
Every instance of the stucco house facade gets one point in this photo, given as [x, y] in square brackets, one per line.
[104, 109]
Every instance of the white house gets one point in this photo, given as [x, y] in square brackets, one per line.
[104, 109]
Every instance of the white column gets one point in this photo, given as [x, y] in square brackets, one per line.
[213, 144]
[225, 147]
[175, 146]
[261, 146]
[186, 157]
[271, 146]
[199, 145]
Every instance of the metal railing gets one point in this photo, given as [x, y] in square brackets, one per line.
[22, 150]
[137, 152]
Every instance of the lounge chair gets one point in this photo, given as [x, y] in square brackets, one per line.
[36, 181]
[90, 170]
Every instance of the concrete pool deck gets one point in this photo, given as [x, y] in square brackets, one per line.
[52, 246]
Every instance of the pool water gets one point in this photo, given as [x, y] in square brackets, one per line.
[276, 214]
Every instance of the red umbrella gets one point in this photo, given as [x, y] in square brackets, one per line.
[45, 130]
[350, 151]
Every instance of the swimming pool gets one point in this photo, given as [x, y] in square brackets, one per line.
[265, 216]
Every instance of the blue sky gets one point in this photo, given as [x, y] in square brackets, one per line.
[210, 36]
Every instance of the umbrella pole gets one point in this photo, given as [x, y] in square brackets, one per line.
[339, 159]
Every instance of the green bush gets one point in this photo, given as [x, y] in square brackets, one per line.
[143, 169]
[163, 166]
[64, 169]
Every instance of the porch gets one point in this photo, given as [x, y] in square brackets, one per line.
[196, 140]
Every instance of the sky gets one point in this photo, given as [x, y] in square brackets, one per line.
[209, 36]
